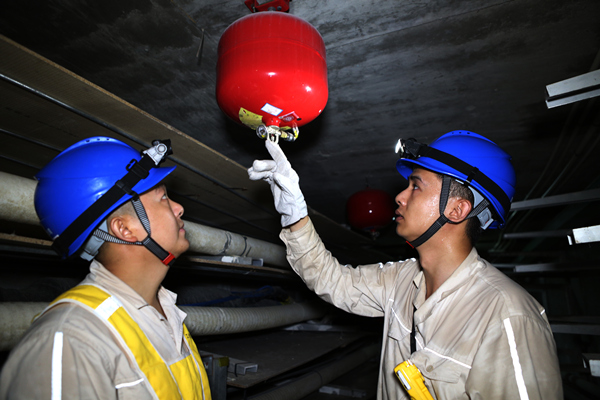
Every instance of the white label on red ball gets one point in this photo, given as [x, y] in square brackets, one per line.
[271, 109]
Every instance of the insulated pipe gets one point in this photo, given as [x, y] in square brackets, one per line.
[16, 199]
[207, 240]
[15, 318]
[203, 321]
[16, 204]
[313, 380]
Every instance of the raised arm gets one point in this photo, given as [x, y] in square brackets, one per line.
[358, 290]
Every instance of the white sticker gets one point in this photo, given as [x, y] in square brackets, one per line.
[290, 117]
[271, 109]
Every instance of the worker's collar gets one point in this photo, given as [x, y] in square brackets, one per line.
[102, 277]
[459, 277]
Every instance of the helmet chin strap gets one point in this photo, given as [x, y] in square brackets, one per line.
[481, 210]
[441, 221]
[101, 235]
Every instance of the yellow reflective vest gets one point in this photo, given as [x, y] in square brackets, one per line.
[184, 379]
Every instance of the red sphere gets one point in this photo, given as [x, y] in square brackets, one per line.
[271, 69]
[370, 209]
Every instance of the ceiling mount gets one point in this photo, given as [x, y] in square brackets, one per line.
[273, 5]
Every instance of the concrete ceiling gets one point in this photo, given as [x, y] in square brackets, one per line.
[395, 69]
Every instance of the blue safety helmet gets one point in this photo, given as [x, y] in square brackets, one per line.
[470, 158]
[79, 176]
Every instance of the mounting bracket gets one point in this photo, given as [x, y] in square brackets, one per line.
[273, 5]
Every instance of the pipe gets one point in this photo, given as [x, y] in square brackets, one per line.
[202, 321]
[16, 199]
[16, 317]
[207, 240]
[312, 381]
[16, 205]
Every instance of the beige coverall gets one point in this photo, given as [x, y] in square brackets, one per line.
[93, 364]
[479, 336]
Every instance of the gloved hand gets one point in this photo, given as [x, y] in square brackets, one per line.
[289, 201]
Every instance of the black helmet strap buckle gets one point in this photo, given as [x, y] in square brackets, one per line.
[136, 171]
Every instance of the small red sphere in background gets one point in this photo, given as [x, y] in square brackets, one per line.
[370, 210]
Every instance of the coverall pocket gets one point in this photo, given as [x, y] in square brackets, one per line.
[437, 368]
[397, 331]
[134, 392]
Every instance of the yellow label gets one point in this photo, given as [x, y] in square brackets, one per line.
[250, 119]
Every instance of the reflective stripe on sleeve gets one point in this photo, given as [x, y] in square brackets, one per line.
[515, 359]
[129, 384]
[56, 380]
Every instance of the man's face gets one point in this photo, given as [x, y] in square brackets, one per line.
[418, 204]
[165, 220]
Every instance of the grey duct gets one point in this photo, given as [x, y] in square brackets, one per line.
[312, 381]
[16, 204]
[15, 318]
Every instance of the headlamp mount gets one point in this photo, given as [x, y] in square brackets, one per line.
[160, 151]
[409, 148]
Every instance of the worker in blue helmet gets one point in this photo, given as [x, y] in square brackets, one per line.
[118, 334]
[452, 321]
[466, 162]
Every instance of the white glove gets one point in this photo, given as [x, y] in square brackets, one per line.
[289, 201]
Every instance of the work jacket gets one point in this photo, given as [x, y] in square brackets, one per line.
[87, 344]
[478, 336]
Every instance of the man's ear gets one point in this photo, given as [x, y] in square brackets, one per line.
[123, 227]
[458, 209]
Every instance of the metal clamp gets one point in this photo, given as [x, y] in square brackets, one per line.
[273, 133]
[273, 5]
[160, 151]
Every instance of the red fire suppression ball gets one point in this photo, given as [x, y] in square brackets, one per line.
[370, 210]
[272, 72]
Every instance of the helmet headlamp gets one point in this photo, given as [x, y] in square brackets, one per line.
[408, 148]
[160, 151]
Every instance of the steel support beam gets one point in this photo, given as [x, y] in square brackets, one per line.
[585, 235]
[538, 234]
[548, 267]
[558, 200]
[576, 329]
[591, 361]
[573, 89]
